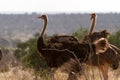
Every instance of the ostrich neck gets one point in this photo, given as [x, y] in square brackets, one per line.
[40, 41]
[45, 25]
[92, 25]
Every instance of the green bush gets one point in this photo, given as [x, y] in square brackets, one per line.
[115, 38]
[27, 53]
[80, 33]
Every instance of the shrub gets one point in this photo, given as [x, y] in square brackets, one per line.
[115, 38]
[27, 53]
[80, 33]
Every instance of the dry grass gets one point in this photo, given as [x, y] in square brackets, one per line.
[17, 73]
[11, 71]
[93, 73]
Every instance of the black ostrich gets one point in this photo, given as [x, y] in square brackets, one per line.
[54, 57]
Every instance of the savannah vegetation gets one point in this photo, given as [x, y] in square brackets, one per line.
[27, 63]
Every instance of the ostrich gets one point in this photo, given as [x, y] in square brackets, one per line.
[54, 57]
[107, 58]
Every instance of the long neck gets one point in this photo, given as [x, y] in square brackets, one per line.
[92, 25]
[40, 41]
[44, 28]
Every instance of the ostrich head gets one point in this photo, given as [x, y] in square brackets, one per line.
[93, 15]
[43, 17]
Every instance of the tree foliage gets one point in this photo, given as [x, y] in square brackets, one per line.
[80, 33]
[115, 38]
[27, 53]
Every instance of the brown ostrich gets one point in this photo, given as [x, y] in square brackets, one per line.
[104, 60]
[107, 58]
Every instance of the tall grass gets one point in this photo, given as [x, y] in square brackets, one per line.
[17, 73]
